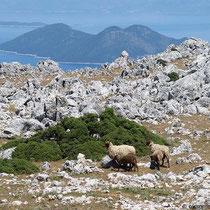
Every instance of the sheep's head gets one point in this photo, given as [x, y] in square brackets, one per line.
[148, 142]
[106, 144]
[152, 158]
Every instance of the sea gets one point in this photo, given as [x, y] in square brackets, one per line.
[10, 32]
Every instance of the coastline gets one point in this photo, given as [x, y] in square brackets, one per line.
[46, 58]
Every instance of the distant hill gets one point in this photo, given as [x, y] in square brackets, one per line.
[62, 43]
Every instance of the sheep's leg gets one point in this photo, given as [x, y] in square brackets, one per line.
[163, 160]
[168, 162]
[158, 166]
[136, 168]
[131, 166]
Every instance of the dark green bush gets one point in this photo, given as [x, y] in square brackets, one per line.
[12, 143]
[17, 166]
[173, 76]
[173, 49]
[162, 62]
[92, 149]
[193, 71]
[84, 135]
[88, 118]
[47, 150]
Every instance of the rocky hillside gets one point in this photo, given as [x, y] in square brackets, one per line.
[168, 93]
[33, 98]
[62, 43]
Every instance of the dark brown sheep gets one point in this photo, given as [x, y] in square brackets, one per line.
[127, 162]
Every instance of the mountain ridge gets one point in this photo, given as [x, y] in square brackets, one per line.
[62, 43]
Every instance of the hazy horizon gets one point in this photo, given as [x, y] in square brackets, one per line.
[175, 19]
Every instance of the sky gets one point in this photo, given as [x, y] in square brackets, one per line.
[174, 18]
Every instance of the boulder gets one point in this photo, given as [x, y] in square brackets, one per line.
[194, 157]
[42, 177]
[184, 147]
[7, 154]
[46, 166]
[107, 162]
[79, 166]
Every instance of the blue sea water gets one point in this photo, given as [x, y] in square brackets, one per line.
[8, 33]
[32, 60]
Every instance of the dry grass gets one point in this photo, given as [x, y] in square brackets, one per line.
[3, 141]
[46, 79]
[182, 63]
[100, 76]
[201, 146]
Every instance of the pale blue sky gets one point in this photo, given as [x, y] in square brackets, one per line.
[175, 18]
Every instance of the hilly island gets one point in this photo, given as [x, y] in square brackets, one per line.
[62, 43]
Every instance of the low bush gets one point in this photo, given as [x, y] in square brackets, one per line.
[193, 71]
[47, 150]
[17, 166]
[173, 49]
[92, 149]
[173, 76]
[85, 135]
[12, 143]
[162, 62]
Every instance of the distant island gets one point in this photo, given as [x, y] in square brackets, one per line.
[22, 24]
[64, 44]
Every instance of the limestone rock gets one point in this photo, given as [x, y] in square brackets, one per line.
[46, 166]
[7, 154]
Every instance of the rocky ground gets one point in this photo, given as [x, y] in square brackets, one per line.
[83, 184]
[34, 98]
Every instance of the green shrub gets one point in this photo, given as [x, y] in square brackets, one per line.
[56, 142]
[193, 71]
[92, 149]
[173, 76]
[173, 49]
[162, 62]
[17, 166]
[90, 118]
[47, 150]
[12, 143]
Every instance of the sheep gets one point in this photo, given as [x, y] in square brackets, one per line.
[121, 150]
[156, 158]
[164, 149]
[127, 162]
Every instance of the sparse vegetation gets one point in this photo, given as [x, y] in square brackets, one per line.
[173, 49]
[145, 193]
[193, 71]
[173, 76]
[162, 62]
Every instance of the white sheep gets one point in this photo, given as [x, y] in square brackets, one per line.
[121, 150]
[164, 149]
[156, 157]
